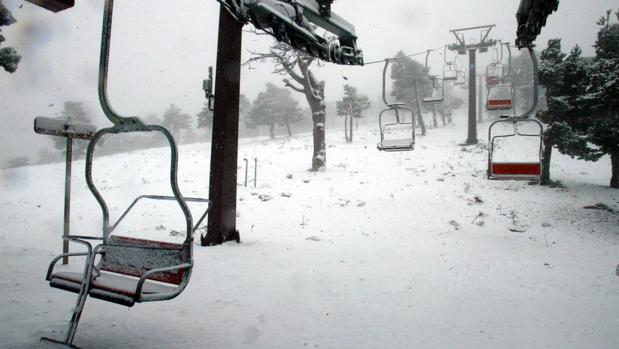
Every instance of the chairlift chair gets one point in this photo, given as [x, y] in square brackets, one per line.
[494, 73]
[529, 170]
[438, 90]
[461, 78]
[450, 69]
[122, 269]
[450, 72]
[499, 97]
[405, 141]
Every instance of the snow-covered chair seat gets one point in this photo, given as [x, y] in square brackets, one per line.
[131, 270]
[396, 144]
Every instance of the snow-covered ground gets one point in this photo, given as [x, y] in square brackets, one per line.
[382, 250]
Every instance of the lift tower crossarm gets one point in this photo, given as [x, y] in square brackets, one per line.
[461, 45]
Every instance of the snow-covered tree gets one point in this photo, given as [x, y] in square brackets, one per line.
[176, 121]
[73, 112]
[205, 116]
[296, 65]
[409, 84]
[604, 93]
[9, 59]
[274, 107]
[353, 103]
[568, 116]
[18, 161]
[450, 103]
[358, 102]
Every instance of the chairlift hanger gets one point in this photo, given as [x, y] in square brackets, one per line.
[126, 266]
[500, 90]
[450, 69]
[397, 144]
[518, 170]
[434, 79]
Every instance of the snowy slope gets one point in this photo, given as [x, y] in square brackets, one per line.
[382, 250]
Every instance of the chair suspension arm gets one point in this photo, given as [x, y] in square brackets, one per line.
[144, 277]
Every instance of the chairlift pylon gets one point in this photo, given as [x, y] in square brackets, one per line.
[405, 140]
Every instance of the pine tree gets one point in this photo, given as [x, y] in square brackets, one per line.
[409, 84]
[603, 95]
[176, 121]
[274, 107]
[353, 103]
[9, 59]
[449, 104]
[205, 117]
[358, 102]
[568, 116]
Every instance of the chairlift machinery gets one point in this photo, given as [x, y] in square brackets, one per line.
[293, 22]
[405, 143]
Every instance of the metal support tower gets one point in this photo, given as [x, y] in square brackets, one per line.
[462, 47]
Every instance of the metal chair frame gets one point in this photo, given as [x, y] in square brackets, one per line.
[180, 265]
[434, 99]
[518, 170]
[406, 144]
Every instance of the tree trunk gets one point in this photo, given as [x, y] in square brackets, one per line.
[288, 128]
[272, 131]
[614, 179]
[443, 117]
[419, 116]
[351, 124]
[315, 95]
[434, 121]
[547, 153]
[319, 156]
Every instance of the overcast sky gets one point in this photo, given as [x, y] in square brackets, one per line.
[161, 51]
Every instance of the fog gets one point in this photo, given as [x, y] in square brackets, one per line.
[161, 51]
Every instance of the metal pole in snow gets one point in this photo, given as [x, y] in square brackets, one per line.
[255, 172]
[246, 166]
[67, 200]
[480, 111]
[472, 132]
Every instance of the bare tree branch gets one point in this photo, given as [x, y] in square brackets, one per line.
[296, 88]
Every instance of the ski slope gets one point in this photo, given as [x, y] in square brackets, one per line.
[380, 250]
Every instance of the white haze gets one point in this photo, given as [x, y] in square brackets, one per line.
[161, 51]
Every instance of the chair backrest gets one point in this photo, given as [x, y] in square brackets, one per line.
[134, 257]
[137, 126]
